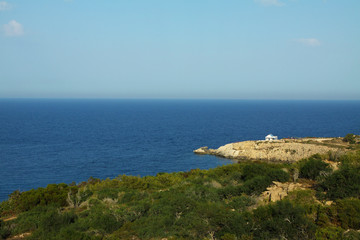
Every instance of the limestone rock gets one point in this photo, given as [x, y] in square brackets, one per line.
[280, 150]
[202, 150]
[279, 190]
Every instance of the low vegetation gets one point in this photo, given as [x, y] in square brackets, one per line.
[220, 203]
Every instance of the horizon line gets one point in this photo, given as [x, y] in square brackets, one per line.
[177, 99]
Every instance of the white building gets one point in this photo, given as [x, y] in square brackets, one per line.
[271, 137]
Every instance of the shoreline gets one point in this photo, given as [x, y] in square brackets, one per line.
[283, 150]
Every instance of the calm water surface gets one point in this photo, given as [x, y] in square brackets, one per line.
[53, 141]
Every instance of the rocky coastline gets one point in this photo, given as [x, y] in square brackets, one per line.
[284, 150]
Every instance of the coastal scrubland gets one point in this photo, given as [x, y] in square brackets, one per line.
[317, 197]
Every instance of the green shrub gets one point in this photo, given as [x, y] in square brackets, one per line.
[4, 230]
[324, 216]
[313, 167]
[334, 155]
[8, 207]
[329, 232]
[228, 236]
[348, 213]
[132, 182]
[241, 203]
[126, 232]
[212, 219]
[52, 220]
[43, 221]
[257, 178]
[282, 220]
[71, 232]
[133, 196]
[253, 170]
[350, 138]
[305, 199]
[108, 193]
[351, 235]
[278, 175]
[102, 220]
[164, 180]
[201, 192]
[256, 185]
[30, 220]
[193, 205]
[229, 191]
[53, 194]
[222, 171]
[343, 183]
[350, 159]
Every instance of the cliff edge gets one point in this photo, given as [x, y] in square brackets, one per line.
[290, 150]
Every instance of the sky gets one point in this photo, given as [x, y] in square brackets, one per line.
[203, 49]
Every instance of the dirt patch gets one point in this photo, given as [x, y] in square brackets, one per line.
[20, 236]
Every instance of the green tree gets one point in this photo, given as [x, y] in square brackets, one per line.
[348, 213]
[282, 220]
[313, 168]
[350, 138]
[342, 183]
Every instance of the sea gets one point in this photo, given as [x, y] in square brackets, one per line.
[44, 141]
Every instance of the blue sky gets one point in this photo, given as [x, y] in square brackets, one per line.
[237, 49]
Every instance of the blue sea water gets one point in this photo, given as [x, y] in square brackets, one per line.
[54, 141]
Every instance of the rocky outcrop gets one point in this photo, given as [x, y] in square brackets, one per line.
[202, 150]
[277, 191]
[281, 150]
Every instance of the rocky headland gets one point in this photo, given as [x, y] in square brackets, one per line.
[289, 150]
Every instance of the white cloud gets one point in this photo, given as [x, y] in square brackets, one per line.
[309, 41]
[4, 6]
[270, 2]
[13, 28]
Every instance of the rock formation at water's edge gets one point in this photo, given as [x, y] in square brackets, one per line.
[289, 150]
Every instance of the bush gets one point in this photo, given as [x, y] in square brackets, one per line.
[103, 220]
[133, 182]
[329, 233]
[228, 236]
[351, 235]
[53, 194]
[230, 191]
[282, 220]
[52, 220]
[348, 213]
[108, 193]
[194, 205]
[201, 192]
[313, 167]
[343, 183]
[350, 138]
[241, 203]
[278, 175]
[350, 159]
[253, 170]
[4, 230]
[256, 185]
[43, 221]
[305, 199]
